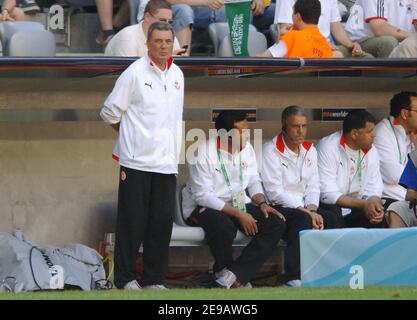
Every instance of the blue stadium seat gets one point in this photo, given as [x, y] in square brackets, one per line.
[26, 38]
[257, 43]
[218, 31]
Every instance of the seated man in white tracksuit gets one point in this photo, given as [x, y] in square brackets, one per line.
[289, 170]
[403, 213]
[215, 199]
[350, 180]
[395, 138]
[289, 173]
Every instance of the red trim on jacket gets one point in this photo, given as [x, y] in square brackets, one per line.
[343, 144]
[170, 61]
[281, 145]
[375, 18]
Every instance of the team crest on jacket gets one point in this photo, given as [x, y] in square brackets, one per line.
[309, 162]
[244, 166]
[177, 85]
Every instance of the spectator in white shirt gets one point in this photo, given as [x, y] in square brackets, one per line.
[215, 199]
[329, 24]
[350, 179]
[131, 41]
[395, 138]
[380, 25]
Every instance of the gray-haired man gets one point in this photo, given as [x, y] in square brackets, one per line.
[290, 176]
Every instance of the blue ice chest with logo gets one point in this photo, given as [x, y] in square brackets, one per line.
[333, 257]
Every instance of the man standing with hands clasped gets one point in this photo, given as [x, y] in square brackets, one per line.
[145, 107]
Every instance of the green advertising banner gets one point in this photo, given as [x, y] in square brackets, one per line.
[238, 16]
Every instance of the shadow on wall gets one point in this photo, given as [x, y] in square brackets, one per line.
[103, 220]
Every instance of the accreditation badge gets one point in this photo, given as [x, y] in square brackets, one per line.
[238, 200]
[353, 195]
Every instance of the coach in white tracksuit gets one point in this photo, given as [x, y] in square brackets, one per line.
[215, 199]
[289, 172]
[146, 107]
[350, 180]
[395, 138]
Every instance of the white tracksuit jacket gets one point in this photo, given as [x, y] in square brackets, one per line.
[392, 155]
[335, 171]
[290, 180]
[206, 186]
[148, 103]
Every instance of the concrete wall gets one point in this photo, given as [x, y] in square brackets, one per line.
[58, 182]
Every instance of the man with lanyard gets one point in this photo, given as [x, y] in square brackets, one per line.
[350, 180]
[145, 107]
[395, 138]
[404, 213]
[215, 200]
[289, 173]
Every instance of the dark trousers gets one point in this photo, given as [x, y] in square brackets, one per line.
[145, 215]
[220, 231]
[355, 219]
[295, 221]
[332, 216]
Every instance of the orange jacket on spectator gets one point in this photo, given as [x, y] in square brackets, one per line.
[307, 43]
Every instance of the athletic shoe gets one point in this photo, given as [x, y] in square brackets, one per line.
[103, 39]
[29, 6]
[293, 284]
[225, 278]
[132, 285]
[156, 287]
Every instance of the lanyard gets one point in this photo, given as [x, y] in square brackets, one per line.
[396, 139]
[359, 166]
[224, 171]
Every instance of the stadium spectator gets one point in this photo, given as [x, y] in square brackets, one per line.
[262, 14]
[131, 40]
[183, 18]
[110, 24]
[396, 137]
[28, 6]
[329, 25]
[9, 11]
[215, 200]
[403, 213]
[379, 25]
[350, 179]
[289, 173]
[148, 157]
[305, 40]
